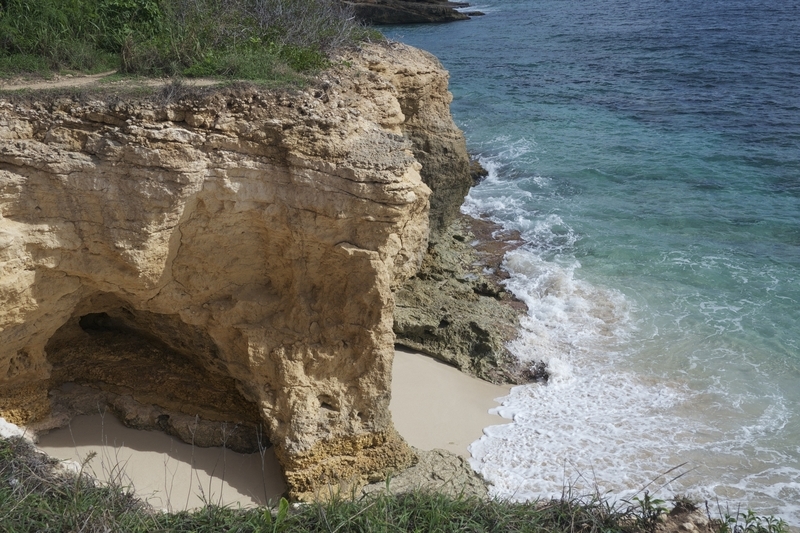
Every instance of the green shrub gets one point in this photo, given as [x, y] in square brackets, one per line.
[251, 39]
[118, 19]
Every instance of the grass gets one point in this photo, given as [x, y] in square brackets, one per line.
[37, 496]
[242, 39]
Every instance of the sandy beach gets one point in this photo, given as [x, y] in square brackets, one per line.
[160, 467]
[436, 406]
[433, 406]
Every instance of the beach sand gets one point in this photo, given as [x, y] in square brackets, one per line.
[436, 406]
[433, 406]
[159, 467]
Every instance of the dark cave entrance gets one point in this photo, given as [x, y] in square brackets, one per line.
[153, 371]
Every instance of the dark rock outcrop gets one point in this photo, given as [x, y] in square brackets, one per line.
[451, 309]
[455, 308]
[407, 11]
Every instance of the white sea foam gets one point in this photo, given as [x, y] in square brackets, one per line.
[597, 427]
[600, 424]
[591, 426]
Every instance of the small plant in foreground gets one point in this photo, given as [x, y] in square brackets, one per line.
[276, 524]
[650, 509]
[750, 522]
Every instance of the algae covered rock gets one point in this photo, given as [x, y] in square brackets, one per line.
[455, 308]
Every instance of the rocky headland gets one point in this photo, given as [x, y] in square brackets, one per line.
[231, 265]
[407, 11]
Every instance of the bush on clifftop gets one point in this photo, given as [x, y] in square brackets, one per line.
[250, 39]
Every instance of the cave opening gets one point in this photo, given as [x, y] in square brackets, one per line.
[152, 371]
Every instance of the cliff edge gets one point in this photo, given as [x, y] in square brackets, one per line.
[227, 257]
[223, 264]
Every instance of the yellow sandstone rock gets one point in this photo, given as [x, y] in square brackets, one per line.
[222, 265]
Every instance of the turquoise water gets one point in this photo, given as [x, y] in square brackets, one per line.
[649, 152]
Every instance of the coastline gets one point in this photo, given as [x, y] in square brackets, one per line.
[568, 170]
[413, 374]
[456, 308]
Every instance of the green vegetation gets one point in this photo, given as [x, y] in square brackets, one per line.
[245, 39]
[36, 497]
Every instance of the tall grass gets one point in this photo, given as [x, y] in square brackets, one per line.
[249, 39]
[36, 496]
[65, 34]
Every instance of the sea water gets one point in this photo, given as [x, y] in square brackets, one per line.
[649, 153]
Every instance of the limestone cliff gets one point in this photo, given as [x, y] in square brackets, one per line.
[226, 257]
[450, 309]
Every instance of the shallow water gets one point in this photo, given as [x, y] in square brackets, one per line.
[649, 152]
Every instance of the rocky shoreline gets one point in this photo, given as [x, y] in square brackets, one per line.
[324, 203]
[70, 166]
[455, 308]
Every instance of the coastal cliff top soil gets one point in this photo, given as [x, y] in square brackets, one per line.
[104, 81]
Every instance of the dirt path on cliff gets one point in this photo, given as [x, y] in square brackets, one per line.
[96, 80]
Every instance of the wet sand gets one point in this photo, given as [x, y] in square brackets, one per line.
[433, 406]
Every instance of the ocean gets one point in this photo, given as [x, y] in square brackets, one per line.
[649, 153]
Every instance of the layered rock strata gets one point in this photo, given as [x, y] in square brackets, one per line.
[225, 260]
[455, 308]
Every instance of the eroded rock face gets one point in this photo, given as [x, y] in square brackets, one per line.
[227, 257]
[435, 140]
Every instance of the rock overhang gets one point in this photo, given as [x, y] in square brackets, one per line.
[246, 242]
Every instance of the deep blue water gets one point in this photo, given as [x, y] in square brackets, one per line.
[649, 152]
